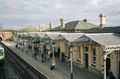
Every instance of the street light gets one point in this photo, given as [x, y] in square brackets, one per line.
[71, 51]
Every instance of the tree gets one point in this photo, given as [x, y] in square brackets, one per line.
[29, 29]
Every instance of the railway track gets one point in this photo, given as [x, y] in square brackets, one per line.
[22, 68]
[2, 73]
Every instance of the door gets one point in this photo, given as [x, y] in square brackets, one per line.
[107, 66]
[118, 75]
[86, 57]
[58, 54]
[119, 69]
[86, 61]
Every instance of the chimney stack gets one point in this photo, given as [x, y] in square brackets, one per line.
[102, 20]
[50, 26]
[62, 22]
[85, 20]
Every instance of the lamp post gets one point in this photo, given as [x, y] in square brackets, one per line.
[71, 64]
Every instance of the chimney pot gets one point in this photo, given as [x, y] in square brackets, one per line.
[62, 22]
[50, 26]
[102, 20]
[85, 20]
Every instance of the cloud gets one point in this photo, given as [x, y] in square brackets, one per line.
[35, 12]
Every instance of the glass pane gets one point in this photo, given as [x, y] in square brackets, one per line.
[1, 51]
[94, 51]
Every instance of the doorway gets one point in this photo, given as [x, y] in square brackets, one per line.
[107, 66]
[86, 57]
[119, 69]
[58, 53]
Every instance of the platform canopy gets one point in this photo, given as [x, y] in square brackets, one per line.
[39, 34]
[70, 36]
[31, 34]
[109, 41]
[19, 34]
[52, 35]
[22, 35]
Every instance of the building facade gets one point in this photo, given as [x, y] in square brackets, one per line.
[6, 35]
[88, 49]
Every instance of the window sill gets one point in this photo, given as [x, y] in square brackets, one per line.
[93, 65]
[79, 60]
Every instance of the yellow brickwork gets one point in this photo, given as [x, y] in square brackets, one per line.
[6, 35]
[114, 62]
[82, 55]
[89, 55]
[97, 57]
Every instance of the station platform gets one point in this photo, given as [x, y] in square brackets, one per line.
[62, 70]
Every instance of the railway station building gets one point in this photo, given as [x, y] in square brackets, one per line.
[6, 35]
[94, 47]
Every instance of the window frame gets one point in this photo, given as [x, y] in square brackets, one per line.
[94, 56]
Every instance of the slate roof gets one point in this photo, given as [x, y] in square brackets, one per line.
[73, 25]
[57, 28]
[79, 25]
[107, 39]
[71, 36]
[114, 29]
[86, 27]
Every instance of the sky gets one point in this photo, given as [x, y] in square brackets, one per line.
[20, 13]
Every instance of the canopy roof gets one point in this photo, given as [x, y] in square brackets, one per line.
[31, 34]
[39, 34]
[52, 35]
[108, 39]
[70, 36]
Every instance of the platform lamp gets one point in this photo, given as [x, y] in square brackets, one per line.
[71, 61]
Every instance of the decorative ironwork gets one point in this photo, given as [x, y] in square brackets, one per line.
[112, 48]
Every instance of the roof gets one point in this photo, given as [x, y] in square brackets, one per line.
[57, 28]
[75, 25]
[71, 36]
[113, 29]
[108, 39]
[31, 34]
[39, 34]
[79, 25]
[52, 35]
[71, 25]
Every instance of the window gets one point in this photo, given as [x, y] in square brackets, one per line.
[67, 49]
[79, 52]
[86, 49]
[93, 57]
[1, 52]
[119, 55]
